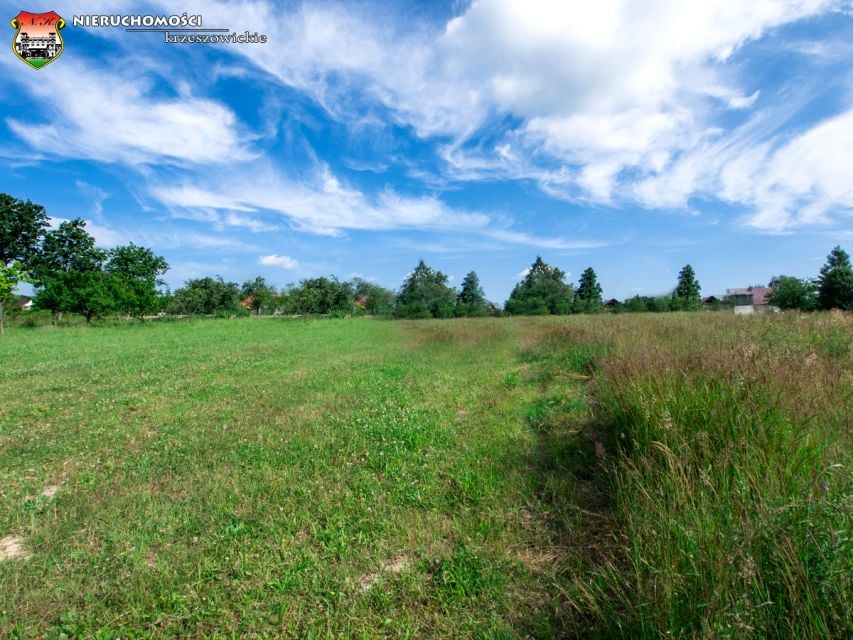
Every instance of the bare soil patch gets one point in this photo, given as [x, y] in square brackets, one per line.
[397, 565]
[12, 548]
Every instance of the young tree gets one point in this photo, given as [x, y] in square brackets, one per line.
[22, 225]
[835, 283]
[687, 294]
[259, 292]
[542, 291]
[588, 297]
[425, 294]
[793, 293]
[471, 301]
[136, 275]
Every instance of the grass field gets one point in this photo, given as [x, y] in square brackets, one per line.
[625, 476]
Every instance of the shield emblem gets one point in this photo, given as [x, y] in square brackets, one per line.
[37, 41]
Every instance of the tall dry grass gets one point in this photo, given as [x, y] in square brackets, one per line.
[731, 477]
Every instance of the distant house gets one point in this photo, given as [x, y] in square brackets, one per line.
[711, 301]
[751, 300]
[24, 302]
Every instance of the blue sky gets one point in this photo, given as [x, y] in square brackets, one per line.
[634, 137]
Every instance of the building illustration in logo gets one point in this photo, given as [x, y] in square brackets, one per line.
[37, 41]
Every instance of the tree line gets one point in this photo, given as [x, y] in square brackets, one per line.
[426, 293]
[71, 274]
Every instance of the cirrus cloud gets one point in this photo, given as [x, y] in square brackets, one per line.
[598, 101]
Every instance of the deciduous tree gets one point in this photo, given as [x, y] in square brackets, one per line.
[207, 296]
[22, 226]
[68, 248]
[135, 275]
[10, 276]
[793, 293]
[322, 296]
[89, 293]
[259, 292]
[373, 298]
[425, 294]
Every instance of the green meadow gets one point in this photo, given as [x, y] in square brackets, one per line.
[590, 476]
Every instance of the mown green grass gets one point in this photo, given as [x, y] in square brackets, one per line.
[310, 478]
[635, 476]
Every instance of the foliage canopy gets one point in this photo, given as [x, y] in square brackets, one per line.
[543, 291]
[425, 294]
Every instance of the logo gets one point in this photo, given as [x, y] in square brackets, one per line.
[37, 41]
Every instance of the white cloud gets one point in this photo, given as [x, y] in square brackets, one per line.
[603, 94]
[804, 181]
[108, 116]
[601, 88]
[107, 236]
[273, 260]
[242, 220]
[518, 237]
[104, 236]
[610, 101]
[97, 195]
[324, 205]
[549, 59]
[220, 220]
[319, 204]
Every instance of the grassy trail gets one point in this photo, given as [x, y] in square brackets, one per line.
[300, 478]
